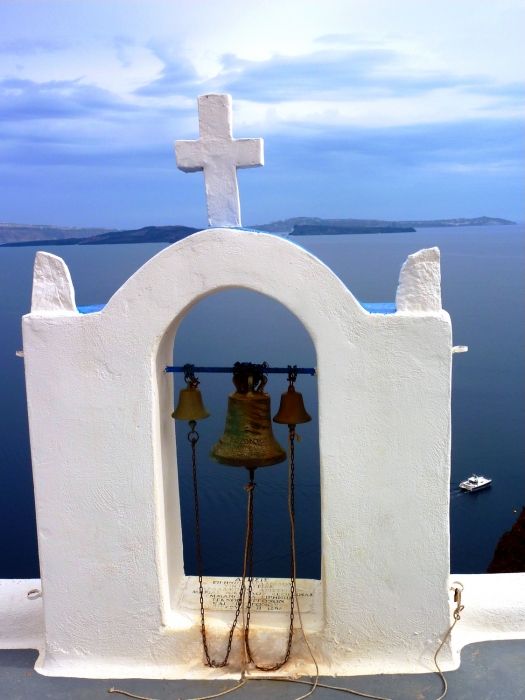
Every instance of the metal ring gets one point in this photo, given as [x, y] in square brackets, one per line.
[193, 436]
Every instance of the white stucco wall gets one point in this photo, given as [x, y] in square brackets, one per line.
[104, 464]
[21, 615]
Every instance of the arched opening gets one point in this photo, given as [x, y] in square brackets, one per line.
[241, 325]
[188, 274]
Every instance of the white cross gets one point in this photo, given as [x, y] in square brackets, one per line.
[219, 155]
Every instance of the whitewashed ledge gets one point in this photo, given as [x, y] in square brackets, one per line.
[494, 610]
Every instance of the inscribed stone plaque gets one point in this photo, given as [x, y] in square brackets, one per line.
[268, 594]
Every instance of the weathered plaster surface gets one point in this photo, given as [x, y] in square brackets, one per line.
[419, 287]
[494, 610]
[219, 155]
[53, 291]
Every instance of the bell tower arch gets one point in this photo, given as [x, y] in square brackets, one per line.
[194, 266]
[103, 456]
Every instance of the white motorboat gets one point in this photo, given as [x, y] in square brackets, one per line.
[475, 483]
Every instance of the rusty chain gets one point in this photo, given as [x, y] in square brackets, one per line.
[193, 438]
[280, 664]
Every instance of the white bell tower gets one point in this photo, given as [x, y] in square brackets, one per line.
[116, 600]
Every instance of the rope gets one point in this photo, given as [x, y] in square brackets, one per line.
[291, 514]
[242, 680]
[129, 695]
[318, 685]
[204, 697]
[242, 683]
[457, 617]
[224, 692]
[315, 683]
[246, 655]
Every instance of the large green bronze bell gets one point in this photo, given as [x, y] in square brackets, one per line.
[248, 440]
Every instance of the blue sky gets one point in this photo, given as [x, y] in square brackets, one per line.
[368, 108]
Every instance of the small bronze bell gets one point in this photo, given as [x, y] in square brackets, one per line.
[190, 406]
[291, 410]
[248, 440]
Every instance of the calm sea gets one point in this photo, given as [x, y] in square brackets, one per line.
[483, 289]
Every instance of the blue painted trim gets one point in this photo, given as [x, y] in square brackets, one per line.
[93, 308]
[382, 307]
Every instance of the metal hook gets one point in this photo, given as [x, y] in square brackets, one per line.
[292, 374]
[458, 589]
[189, 376]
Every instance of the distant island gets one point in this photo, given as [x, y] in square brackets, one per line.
[297, 225]
[147, 234]
[11, 233]
[33, 235]
[320, 230]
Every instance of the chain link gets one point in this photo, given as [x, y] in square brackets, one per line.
[193, 438]
[280, 664]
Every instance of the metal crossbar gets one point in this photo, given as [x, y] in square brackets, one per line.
[229, 370]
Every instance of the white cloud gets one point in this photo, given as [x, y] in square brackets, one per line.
[499, 167]
[458, 36]
[440, 106]
[112, 84]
